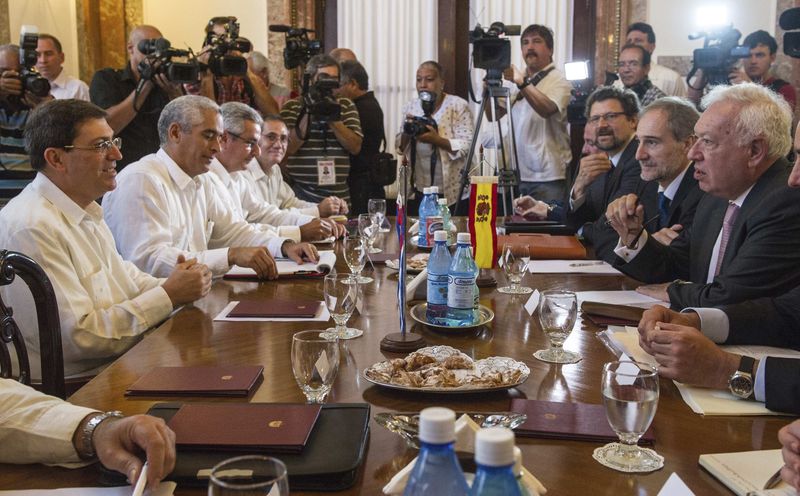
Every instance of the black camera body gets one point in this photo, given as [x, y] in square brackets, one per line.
[220, 60]
[32, 82]
[720, 53]
[160, 60]
[489, 50]
[320, 102]
[416, 125]
[299, 47]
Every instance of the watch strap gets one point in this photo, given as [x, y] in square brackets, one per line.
[746, 365]
[87, 434]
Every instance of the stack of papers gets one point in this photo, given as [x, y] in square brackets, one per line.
[597, 267]
[163, 489]
[631, 298]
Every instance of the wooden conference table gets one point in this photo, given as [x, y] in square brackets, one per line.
[191, 337]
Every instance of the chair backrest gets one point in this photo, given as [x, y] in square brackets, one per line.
[14, 264]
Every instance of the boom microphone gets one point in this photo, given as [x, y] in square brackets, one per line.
[279, 28]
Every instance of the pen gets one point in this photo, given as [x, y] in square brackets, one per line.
[586, 264]
[774, 480]
[138, 489]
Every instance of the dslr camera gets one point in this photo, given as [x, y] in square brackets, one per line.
[319, 101]
[160, 59]
[490, 51]
[299, 48]
[720, 52]
[32, 81]
[219, 46]
[416, 125]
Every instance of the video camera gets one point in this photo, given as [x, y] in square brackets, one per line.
[319, 101]
[720, 52]
[490, 51]
[160, 60]
[219, 46]
[299, 47]
[416, 125]
[32, 81]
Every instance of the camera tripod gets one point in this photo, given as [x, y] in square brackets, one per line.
[507, 172]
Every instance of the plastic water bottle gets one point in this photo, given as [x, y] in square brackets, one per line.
[494, 455]
[461, 284]
[437, 471]
[438, 267]
[424, 211]
[444, 211]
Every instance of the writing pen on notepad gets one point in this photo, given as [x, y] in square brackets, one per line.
[138, 489]
[774, 480]
[586, 264]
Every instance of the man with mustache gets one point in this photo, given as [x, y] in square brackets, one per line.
[633, 67]
[164, 206]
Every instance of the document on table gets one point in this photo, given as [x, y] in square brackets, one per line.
[163, 489]
[631, 298]
[746, 473]
[704, 401]
[675, 487]
[327, 259]
[597, 267]
[322, 316]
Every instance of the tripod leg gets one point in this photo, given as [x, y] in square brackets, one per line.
[461, 206]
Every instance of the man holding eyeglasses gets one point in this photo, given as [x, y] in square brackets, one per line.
[633, 67]
[104, 302]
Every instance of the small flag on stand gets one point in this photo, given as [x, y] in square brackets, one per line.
[401, 238]
[483, 219]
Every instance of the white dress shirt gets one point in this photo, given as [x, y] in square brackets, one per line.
[36, 428]
[270, 187]
[104, 302]
[65, 86]
[158, 212]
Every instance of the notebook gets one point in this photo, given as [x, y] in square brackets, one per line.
[604, 314]
[289, 268]
[198, 381]
[747, 471]
[276, 308]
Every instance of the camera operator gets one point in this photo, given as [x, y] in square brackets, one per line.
[15, 104]
[134, 118]
[443, 144]
[757, 68]
[318, 156]
[248, 89]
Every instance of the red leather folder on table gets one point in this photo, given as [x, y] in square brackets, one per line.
[198, 381]
[605, 314]
[546, 246]
[274, 427]
[572, 421]
[276, 308]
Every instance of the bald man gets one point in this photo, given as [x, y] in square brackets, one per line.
[342, 54]
[134, 118]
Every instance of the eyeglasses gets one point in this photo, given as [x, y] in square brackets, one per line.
[633, 64]
[273, 137]
[250, 143]
[102, 147]
[608, 116]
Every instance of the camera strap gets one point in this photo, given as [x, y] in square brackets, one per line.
[534, 81]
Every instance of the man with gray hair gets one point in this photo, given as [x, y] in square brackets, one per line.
[258, 63]
[746, 241]
[164, 206]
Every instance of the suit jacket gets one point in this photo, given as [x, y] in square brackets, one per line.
[766, 321]
[782, 384]
[762, 257]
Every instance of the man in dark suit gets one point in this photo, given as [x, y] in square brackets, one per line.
[610, 173]
[746, 237]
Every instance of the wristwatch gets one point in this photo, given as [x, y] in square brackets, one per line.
[741, 382]
[525, 82]
[88, 432]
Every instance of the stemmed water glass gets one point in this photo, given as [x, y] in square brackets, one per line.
[355, 254]
[376, 207]
[249, 475]
[368, 228]
[630, 395]
[514, 260]
[315, 361]
[341, 296]
[558, 311]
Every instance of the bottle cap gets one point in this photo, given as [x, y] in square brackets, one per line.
[437, 425]
[443, 201]
[494, 447]
[440, 236]
[426, 191]
[435, 189]
[517, 461]
[463, 238]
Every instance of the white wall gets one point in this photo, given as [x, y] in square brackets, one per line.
[673, 20]
[56, 17]
[182, 22]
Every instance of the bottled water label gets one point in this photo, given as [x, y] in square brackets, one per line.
[437, 289]
[459, 292]
[432, 224]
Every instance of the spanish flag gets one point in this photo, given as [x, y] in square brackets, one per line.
[482, 220]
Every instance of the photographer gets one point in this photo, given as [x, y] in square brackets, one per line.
[222, 88]
[132, 116]
[324, 131]
[15, 104]
[443, 144]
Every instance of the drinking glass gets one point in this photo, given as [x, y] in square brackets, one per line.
[355, 254]
[377, 208]
[249, 475]
[557, 313]
[315, 361]
[341, 296]
[515, 260]
[630, 395]
[368, 228]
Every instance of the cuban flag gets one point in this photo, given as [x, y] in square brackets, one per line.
[401, 277]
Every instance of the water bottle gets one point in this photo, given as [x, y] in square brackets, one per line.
[437, 471]
[518, 472]
[461, 284]
[494, 456]
[424, 212]
[438, 267]
[444, 211]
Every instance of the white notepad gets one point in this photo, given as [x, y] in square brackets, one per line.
[746, 472]
[327, 260]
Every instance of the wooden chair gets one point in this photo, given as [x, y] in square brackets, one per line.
[52, 357]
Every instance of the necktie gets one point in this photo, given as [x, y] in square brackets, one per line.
[727, 227]
[663, 210]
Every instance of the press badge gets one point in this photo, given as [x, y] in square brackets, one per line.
[326, 172]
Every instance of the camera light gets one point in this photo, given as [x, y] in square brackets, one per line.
[707, 17]
[576, 71]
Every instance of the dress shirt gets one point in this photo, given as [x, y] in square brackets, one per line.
[104, 302]
[65, 86]
[36, 428]
[158, 212]
[270, 187]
